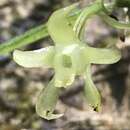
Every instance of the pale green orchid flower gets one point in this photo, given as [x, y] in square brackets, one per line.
[69, 57]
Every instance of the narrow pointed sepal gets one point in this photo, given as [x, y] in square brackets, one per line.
[38, 58]
[91, 93]
[46, 102]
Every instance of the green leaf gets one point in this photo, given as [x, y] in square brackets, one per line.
[47, 100]
[38, 58]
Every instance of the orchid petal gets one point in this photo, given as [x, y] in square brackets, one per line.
[37, 58]
[91, 93]
[47, 100]
[102, 56]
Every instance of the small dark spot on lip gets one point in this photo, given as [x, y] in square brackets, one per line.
[114, 17]
[122, 38]
[95, 109]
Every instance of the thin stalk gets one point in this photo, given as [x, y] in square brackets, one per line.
[26, 38]
[85, 14]
[114, 23]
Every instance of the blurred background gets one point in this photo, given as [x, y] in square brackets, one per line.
[19, 86]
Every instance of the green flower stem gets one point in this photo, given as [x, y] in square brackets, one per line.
[114, 23]
[28, 37]
[106, 10]
[85, 14]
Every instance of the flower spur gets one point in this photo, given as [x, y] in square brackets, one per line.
[68, 57]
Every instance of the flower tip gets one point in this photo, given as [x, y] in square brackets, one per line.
[53, 116]
[97, 108]
[21, 58]
[48, 115]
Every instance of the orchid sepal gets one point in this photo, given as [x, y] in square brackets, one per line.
[37, 58]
